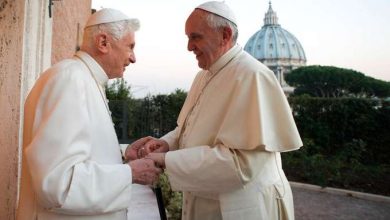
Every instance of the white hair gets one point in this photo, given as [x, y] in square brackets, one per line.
[116, 30]
[217, 22]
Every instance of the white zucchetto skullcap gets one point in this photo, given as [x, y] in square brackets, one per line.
[106, 15]
[219, 8]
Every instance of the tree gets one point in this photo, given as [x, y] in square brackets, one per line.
[330, 81]
[121, 106]
[345, 143]
[157, 114]
[118, 90]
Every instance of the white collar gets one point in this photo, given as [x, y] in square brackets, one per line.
[225, 58]
[97, 71]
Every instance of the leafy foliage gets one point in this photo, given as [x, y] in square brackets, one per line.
[136, 118]
[330, 81]
[122, 107]
[157, 115]
[346, 143]
[118, 90]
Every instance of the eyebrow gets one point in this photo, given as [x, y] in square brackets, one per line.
[194, 35]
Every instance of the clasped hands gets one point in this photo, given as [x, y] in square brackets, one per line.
[146, 158]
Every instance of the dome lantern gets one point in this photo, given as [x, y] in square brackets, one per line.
[270, 17]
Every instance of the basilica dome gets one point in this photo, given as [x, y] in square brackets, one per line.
[276, 48]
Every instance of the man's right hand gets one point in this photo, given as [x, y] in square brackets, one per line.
[144, 171]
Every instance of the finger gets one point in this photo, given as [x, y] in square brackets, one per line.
[149, 160]
[143, 151]
[139, 153]
[150, 156]
[146, 151]
[149, 147]
[158, 161]
[140, 142]
[159, 150]
[157, 146]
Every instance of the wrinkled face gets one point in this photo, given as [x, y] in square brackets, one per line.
[121, 55]
[205, 42]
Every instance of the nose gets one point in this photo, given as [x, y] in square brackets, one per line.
[190, 46]
[132, 58]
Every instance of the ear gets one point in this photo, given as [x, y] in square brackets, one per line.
[102, 43]
[227, 35]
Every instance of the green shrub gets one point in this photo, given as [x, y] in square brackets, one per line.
[346, 143]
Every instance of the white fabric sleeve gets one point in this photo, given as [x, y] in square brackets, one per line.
[123, 149]
[64, 178]
[203, 169]
[215, 170]
[172, 139]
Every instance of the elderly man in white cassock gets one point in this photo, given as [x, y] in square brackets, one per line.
[72, 164]
[225, 151]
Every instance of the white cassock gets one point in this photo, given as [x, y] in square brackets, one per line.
[72, 164]
[232, 126]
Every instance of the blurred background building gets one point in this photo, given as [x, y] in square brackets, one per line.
[277, 48]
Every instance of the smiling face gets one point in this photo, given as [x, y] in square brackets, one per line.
[120, 55]
[207, 43]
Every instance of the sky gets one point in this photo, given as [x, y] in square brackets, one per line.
[351, 34]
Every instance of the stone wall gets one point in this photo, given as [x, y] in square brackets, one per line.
[11, 39]
[69, 19]
[26, 42]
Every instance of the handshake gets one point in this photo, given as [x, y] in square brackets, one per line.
[146, 157]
